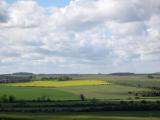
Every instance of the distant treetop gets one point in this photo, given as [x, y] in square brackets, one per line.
[122, 74]
[23, 73]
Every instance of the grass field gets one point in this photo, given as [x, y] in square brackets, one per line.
[29, 93]
[49, 83]
[154, 115]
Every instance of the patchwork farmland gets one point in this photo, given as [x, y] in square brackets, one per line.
[81, 93]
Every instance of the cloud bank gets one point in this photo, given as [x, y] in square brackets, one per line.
[83, 37]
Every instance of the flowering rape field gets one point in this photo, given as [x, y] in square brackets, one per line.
[49, 83]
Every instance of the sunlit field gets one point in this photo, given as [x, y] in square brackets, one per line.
[49, 83]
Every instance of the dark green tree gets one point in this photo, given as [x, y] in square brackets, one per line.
[4, 98]
[150, 76]
[82, 97]
[11, 98]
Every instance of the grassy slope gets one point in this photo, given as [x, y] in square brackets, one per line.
[34, 93]
[111, 91]
[154, 115]
[118, 89]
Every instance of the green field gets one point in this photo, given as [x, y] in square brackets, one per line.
[152, 115]
[30, 93]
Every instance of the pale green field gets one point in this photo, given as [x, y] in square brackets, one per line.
[108, 92]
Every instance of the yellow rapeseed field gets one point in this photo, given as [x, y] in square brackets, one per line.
[49, 83]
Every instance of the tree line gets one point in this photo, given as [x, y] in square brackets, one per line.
[78, 106]
[60, 78]
[44, 104]
[14, 79]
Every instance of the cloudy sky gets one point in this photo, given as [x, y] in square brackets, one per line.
[79, 36]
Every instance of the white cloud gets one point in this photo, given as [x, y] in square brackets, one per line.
[93, 33]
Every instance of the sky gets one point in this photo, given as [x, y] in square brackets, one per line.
[79, 36]
[47, 3]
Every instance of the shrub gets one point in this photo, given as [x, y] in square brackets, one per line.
[82, 97]
[143, 102]
[150, 76]
[11, 98]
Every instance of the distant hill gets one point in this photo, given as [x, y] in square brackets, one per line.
[157, 73]
[7, 78]
[22, 74]
[122, 74]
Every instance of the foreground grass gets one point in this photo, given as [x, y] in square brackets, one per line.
[49, 83]
[145, 115]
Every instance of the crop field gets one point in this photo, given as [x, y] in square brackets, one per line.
[49, 83]
[30, 93]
